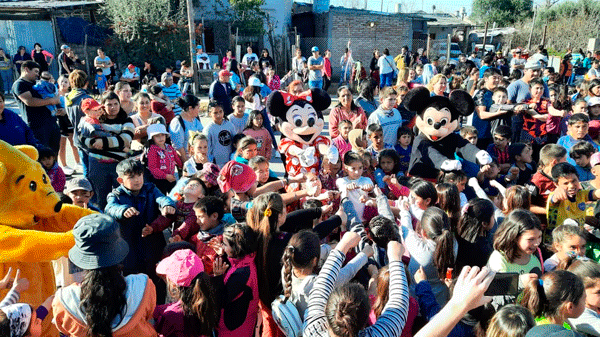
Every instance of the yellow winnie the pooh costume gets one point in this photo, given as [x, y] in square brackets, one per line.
[35, 228]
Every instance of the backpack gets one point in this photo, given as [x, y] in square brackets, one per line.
[286, 315]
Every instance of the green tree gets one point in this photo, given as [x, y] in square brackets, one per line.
[145, 30]
[502, 12]
[245, 15]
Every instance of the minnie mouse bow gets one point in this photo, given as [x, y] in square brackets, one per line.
[289, 99]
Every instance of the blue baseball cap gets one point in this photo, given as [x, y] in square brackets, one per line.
[199, 47]
[315, 48]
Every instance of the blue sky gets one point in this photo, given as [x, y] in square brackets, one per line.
[449, 6]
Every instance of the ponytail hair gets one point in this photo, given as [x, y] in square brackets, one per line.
[436, 225]
[586, 269]
[449, 202]
[383, 291]
[475, 219]
[303, 248]
[347, 310]
[199, 306]
[263, 218]
[545, 297]
[241, 239]
[188, 101]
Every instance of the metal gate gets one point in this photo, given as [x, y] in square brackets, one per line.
[26, 33]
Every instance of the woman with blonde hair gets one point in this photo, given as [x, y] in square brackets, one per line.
[437, 85]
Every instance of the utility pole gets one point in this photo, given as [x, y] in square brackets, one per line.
[192, 37]
[544, 36]
[484, 51]
[532, 25]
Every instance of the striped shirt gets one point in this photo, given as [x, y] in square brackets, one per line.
[390, 122]
[11, 297]
[390, 323]
[172, 93]
[115, 137]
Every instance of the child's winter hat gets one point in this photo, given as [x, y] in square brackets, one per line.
[19, 316]
[210, 173]
[595, 159]
[181, 267]
[237, 177]
[594, 129]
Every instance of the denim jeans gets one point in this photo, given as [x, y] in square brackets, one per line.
[7, 79]
[85, 162]
[386, 79]
[315, 84]
[269, 127]
[103, 177]
[48, 134]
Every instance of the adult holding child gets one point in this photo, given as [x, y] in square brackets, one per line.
[103, 163]
[40, 119]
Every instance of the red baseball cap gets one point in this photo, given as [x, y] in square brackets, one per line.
[131, 66]
[89, 104]
[224, 73]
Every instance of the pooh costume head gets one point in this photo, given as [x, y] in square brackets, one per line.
[437, 147]
[301, 124]
[35, 228]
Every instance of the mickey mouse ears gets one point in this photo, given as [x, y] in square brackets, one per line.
[459, 102]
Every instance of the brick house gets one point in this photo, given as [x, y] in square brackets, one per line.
[330, 27]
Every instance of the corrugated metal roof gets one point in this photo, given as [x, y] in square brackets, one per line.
[44, 5]
[366, 11]
[445, 20]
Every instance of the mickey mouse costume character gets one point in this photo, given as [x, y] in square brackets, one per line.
[302, 123]
[437, 146]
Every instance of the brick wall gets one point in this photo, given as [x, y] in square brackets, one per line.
[390, 31]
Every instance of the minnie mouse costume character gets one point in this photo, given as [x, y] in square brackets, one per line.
[437, 147]
[302, 123]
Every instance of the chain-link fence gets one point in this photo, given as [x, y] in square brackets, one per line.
[362, 50]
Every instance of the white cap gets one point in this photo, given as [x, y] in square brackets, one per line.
[156, 129]
[255, 82]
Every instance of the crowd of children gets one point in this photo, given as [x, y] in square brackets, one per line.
[200, 237]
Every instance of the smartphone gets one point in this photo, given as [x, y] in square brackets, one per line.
[504, 284]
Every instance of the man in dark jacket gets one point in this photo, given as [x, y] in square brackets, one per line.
[221, 91]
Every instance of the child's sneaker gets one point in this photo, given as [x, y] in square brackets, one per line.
[78, 168]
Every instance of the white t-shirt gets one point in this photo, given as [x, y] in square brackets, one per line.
[105, 62]
[355, 195]
[249, 58]
[517, 62]
[203, 61]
